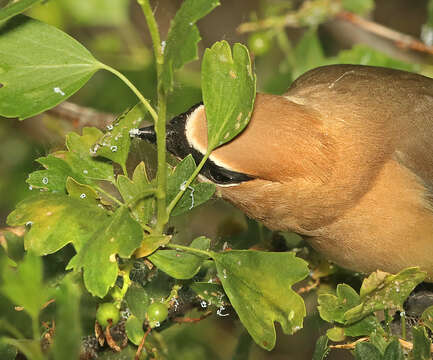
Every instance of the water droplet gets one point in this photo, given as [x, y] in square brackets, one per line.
[203, 304]
[83, 196]
[45, 180]
[57, 90]
[163, 43]
[29, 223]
[30, 187]
[113, 148]
[85, 171]
[110, 127]
[157, 324]
[225, 274]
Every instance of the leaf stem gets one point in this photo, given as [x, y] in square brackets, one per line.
[173, 203]
[111, 197]
[161, 176]
[134, 90]
[189, 249]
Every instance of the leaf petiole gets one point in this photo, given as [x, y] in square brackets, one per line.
[133, 88]
[189, 249]
[187, 183]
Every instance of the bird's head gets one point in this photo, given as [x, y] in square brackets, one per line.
[283, 144]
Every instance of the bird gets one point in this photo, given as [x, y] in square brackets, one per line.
[343, 158]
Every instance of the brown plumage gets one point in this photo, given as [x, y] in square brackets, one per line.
[345, 158]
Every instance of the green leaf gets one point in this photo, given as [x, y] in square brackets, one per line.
[115, 144]
[80, 156]
[16, 7]
[212, 294]
[229, 89]
[138, 194]
[258, 285]
[183, 37]
[14, 246]
[121, 235]
[364, 55]
[67, 338]
[308, 53]
[364, 327]
[321, 349]
[384, 291]
[332, 307]
[421, 344]
[379, 341]
[134, 330]
[179, 264]
[358, 6]
[426, 317]
[55, 175]
[7, 352]
[393, 351]
[137, 300]
[97, 12]
[336, 334]
[151, 243]
[195, 195]
[24, 286]
[367, 351]
[40, 66]
[80, 191]
[57, 220]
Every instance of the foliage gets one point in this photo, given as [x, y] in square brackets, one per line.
[108, 220]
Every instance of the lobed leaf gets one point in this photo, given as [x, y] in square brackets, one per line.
[138, 194]
[384, 291]
[40, 66]
[55, 175]
[56, 220]
[24, 285]
[67, 338]
[80, 156]
[118, 235]
[183, 37]
[258, 285]
[16, 7]
[115, 143]
[229, 89]
[321, 349]
[81, 191]
[196, 194]
[179, 264]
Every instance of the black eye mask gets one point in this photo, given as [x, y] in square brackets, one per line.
[178, 145]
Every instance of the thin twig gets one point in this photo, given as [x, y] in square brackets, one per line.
[182, 320]
[143, 340]
[350, 346]
[110, 341]
[401, 40]
[81, 116]
[309, 287]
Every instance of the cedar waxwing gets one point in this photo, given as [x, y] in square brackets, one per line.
[344, 158]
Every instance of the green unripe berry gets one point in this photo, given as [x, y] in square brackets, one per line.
[105, 312]
[156, 313]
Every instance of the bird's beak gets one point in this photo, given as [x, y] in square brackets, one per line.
[176, 141]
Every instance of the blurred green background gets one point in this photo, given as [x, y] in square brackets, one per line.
[115, 32]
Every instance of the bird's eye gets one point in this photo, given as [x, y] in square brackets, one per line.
[222, 176]
[217, 175]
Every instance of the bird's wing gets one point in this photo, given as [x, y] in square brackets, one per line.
[400, 101]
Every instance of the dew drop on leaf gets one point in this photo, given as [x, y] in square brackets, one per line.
[45, 180]
[113, 148]
[83, 196]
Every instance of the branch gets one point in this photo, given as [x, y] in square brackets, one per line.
[81, 116]
[401, 40]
